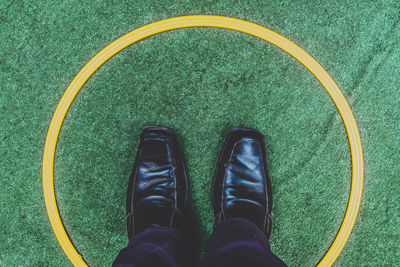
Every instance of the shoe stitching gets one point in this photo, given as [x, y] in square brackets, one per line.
[170, 152]
[264, 172]
[134, 185]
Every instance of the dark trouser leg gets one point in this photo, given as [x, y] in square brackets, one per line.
[156, 247]
[238, 242]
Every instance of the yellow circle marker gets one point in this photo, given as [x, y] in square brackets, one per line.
[205, 21]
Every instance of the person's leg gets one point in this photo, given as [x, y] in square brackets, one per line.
[156, 246]
[242, 200]
[157, 204]
[237, 243]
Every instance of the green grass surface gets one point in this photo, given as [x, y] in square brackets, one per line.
[200, 82]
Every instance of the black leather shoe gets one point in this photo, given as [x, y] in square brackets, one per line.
[158, 187]
[241, 187]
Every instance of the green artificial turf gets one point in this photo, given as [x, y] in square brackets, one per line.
[200, 82]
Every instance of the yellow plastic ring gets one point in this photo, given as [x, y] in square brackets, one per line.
[205, 21]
